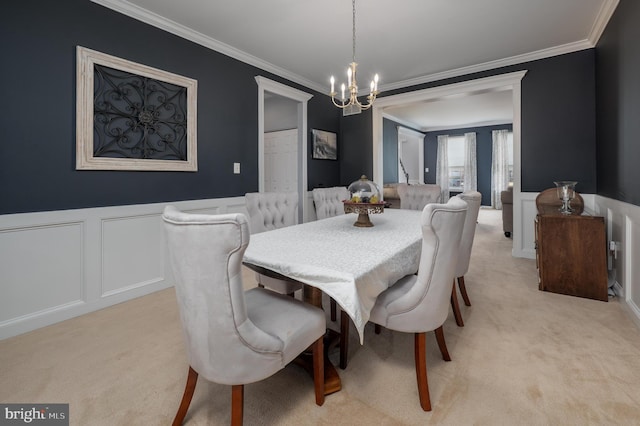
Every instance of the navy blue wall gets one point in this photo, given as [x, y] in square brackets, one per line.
[356, 150]
[618, 100]
[38, 40]
[484, 149]
[558, 121]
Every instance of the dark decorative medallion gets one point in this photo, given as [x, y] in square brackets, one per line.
[138, 117]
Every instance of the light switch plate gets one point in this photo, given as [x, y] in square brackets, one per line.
[236, 168]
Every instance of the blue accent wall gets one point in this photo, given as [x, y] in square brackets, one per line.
[558, 121]
[618, 105]
[38, 40]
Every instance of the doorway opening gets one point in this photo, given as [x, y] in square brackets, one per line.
[461, 89]
[266, 89]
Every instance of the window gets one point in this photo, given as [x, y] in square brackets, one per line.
[455, 153]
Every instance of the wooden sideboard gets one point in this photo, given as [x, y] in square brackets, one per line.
[571, 254]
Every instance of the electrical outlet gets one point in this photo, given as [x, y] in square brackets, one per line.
[236, 168]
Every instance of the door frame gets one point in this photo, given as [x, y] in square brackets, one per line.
[267, 85]
[513, 80]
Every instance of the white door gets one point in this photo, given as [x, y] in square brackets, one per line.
[281, 161]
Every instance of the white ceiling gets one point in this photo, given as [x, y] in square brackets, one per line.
[405, 41]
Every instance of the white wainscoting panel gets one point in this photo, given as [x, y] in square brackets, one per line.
[524, 242]
[623, 227]
[132, 253]
[60, 264]
[41, 268]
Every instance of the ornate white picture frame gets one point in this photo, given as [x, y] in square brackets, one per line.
[133, 117]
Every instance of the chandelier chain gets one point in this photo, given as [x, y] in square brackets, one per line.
[354, 30]
[349, 92]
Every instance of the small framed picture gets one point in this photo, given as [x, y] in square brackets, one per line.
[324, 145]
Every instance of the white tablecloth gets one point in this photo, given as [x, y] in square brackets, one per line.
[352, 265]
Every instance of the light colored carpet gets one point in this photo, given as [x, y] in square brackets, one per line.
[524, 357]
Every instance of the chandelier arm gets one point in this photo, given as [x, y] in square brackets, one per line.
[333, 99]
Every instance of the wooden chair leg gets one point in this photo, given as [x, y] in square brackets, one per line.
[237, 405]
[192, 379]
[463, 291]
[421, 370]
[377, 328]
[332, 303]
[318, 369]
[442, 344]
[344, 338]
[456, 307]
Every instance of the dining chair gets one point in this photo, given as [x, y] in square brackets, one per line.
[419, 303]
[328, 203]
[416, 197]
[268, 211]
[233, 337]
[473, 200]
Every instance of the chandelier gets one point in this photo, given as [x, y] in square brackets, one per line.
[352, 104]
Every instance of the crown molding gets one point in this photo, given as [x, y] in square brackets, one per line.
[513, 60]
[153, 19]
[604, 15]
[143, 15]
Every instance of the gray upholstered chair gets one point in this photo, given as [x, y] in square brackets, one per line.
[419, 303]
[268, 211]
[233, 337]
[328, 201]
[416, 197]
[473, 200]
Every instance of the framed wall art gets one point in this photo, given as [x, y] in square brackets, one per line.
[324, 145]
[133, 117]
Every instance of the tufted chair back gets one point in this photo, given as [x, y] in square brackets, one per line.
[211, 298]
[473, 199]
[416, 197]
[418, 304]
[233, 336]
[271, 210]
[422, 305]
[328, 201]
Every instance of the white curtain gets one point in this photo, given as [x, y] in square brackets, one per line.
[442, 166]
[470, 163]
[499, 166]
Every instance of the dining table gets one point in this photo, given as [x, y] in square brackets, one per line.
[350, 264]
